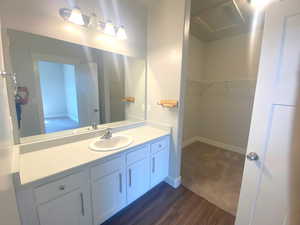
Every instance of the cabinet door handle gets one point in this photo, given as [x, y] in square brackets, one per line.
[82, 204]
[120, 182]
[153, 165]
[129, 177]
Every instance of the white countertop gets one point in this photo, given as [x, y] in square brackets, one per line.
[40, 164]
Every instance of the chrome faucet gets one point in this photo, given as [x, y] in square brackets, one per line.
[107, 134]
[94, 126]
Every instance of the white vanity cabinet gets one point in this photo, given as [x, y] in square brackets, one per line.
[138, 173]
[64, 202]
[92, 193]
[108, 188]
[159, 161]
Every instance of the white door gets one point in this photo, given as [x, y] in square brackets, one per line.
[137, 180]
[270, 192]
[159, 167]
[87, 93]
[69, 209]
[8, 205]
[108, 196]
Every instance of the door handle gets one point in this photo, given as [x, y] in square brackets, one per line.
[252, 156]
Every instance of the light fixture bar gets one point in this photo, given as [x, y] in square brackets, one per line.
[75, 16]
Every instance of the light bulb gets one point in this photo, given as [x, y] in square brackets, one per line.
[93, 23]
[121, 34]
[109, 29]
[260, 4]
[76, 17]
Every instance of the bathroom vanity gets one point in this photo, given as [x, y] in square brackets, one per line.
[72, 185]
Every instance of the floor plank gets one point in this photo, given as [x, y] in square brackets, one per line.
[167, 206]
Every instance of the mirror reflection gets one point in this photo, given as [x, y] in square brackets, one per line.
[62, 85]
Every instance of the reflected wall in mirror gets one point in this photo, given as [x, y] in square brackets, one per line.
[63, 86]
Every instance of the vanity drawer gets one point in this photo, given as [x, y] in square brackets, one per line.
[106, 168]
[138, 154]
[52, 190]
[159, 145]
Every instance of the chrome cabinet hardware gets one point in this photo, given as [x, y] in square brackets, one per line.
[129, 177]
[252, 156]
[120, 182]
[153, 165]
[82, 204]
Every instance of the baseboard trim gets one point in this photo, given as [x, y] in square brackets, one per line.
[190, 141]
[174, 182]
[219, 144]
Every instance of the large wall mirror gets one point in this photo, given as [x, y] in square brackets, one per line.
[78, 75]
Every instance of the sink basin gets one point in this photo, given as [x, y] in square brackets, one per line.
[114, 143]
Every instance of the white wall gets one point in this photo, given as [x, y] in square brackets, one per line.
[135, 81]
[8, 207]
[221, 111]
[41, 17]
[53, 89]
[192, 103]
[232, 58]
[115, 88]
[196, 59]
[70, 91]
[167, 25]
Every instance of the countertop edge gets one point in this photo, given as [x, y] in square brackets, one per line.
[28, 182]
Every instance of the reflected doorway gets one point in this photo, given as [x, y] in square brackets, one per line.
[59, 96]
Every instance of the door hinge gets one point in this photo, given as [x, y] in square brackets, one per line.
[7, 74]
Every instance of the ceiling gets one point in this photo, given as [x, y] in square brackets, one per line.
[216, 19]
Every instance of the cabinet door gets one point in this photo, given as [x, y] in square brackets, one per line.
[108, 196]
[137, 179]
[68, 209]
[159, 166]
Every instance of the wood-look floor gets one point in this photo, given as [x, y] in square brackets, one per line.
[167, 206]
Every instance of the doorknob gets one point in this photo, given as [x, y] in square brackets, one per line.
[252, 156]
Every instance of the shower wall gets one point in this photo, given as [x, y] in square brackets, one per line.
[220, 91]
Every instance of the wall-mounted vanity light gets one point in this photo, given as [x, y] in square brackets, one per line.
[109, 28]
[260, 4]
[121, 33]
[75, 16]
[93, 22]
